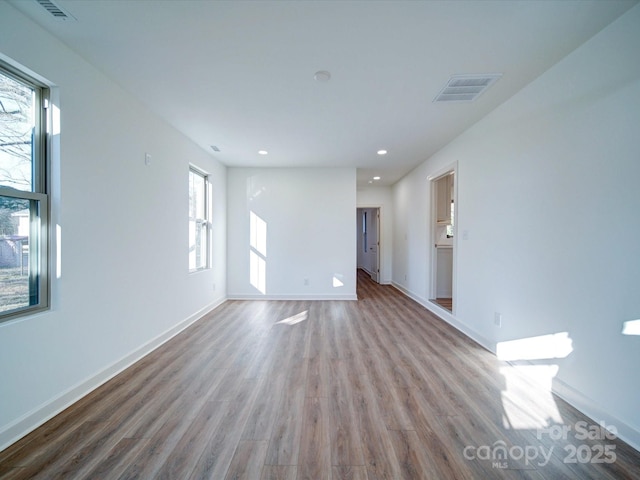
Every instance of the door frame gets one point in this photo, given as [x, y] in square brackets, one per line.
[380, 240]
[433, 256]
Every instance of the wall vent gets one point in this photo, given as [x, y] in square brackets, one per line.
[466, 88]
[56, 11]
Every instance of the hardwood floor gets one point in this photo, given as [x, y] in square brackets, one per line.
[444, 303]
[373, 389]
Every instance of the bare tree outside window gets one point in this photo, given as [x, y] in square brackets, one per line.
[17, 122]
[23, 196]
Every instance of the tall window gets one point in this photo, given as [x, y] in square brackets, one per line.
[199, 221]
[23, 195]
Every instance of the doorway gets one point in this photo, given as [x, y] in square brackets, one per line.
[443, 221]
[368, 258]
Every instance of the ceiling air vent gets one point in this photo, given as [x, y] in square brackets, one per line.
[214, 148]
[466, 88]
[56, 11]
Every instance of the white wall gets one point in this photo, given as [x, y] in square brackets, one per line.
[548, 197]
[310, 218]
[123, 285]
[547, 194]
[382, 198]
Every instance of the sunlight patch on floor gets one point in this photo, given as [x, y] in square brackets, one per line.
[527, 399]
[297, 318]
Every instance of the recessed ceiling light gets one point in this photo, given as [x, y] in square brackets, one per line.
[382, 152]
[322, 76]
[376, 178]
[263, 152]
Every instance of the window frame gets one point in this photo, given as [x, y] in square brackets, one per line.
[202, 222]
[38, 197]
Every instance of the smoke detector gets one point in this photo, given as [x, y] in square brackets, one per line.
[322, 76]
[466, 88]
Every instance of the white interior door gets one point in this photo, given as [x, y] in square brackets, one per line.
[374, 245]
[369, 241]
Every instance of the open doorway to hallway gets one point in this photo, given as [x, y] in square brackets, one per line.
[443, 220]
[368, 225]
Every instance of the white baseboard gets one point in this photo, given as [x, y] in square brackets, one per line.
[447, 316]
[581, 402]
[291, 297]
[28, 422]
[577, 399]
[35, 418]
[368, 272]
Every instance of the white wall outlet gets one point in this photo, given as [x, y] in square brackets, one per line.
[305, 281]
[497, 319]
[147, 159]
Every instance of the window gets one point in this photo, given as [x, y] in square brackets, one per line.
[24, 206]
[199, 222]
[452, 223]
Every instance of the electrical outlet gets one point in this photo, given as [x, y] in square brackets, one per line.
[306, 281]
[497, 319]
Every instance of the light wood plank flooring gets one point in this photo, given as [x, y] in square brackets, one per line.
[373, 389]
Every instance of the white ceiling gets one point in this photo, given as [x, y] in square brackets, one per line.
[239, 74]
